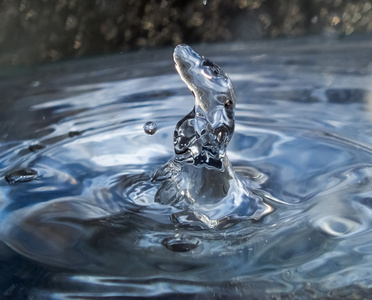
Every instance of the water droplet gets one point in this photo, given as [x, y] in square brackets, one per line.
[35, 83]
[150, 128]
[205, 2]
[74, 133]
[181, 243]
[36, 147]
[22, 175]
[314, 19]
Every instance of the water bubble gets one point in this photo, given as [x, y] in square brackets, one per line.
[150, 128]
[180, 243]
[22, 175]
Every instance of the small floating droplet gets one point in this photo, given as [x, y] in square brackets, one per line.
[36, 147]
[181, 243]
[22, 175]
[150, 128]
[35, 83]
[205, 2]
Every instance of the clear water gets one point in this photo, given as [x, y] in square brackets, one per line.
[72, 139]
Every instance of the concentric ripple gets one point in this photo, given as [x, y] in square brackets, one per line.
[302, 143]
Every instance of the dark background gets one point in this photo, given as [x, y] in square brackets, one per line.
[34, 31]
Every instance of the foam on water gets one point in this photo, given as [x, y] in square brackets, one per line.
[302, 142]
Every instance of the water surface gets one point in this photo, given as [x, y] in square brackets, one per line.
[72, 130]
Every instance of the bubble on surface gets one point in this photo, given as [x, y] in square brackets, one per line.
[150, 128]
[181, 243]
[22, 175]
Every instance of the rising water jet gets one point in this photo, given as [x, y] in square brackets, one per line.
[200, 176]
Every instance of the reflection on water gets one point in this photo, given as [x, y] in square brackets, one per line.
[302, 141]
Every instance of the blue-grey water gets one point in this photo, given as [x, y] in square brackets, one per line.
[77, 217]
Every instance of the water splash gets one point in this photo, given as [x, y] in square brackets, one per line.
[200, 180]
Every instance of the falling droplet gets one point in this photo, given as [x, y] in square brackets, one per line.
[205, 2]
[22, 175]
[181, 243]
[150, 127]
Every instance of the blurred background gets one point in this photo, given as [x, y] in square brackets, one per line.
[33, 31]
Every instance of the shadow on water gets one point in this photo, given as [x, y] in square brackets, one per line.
[73, 138]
